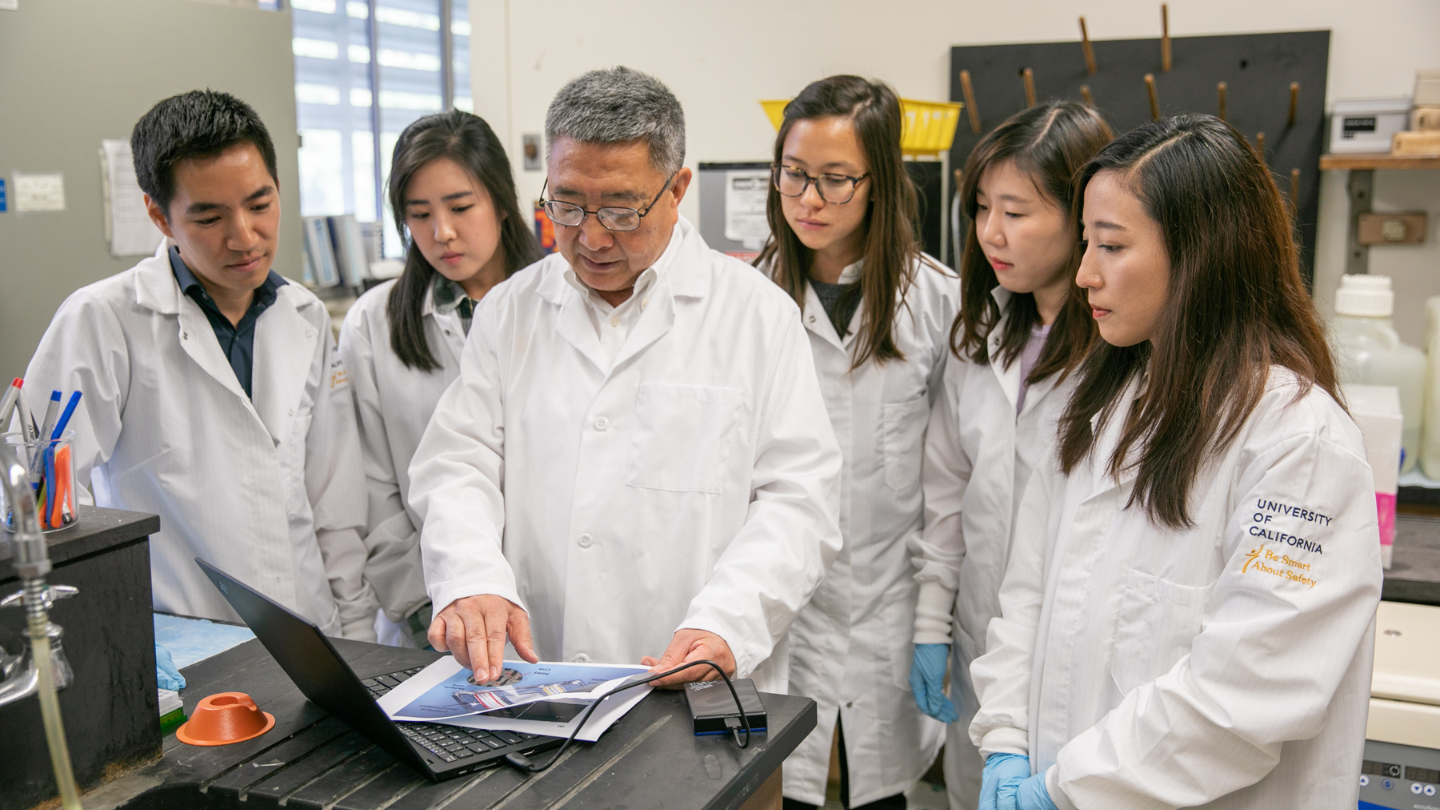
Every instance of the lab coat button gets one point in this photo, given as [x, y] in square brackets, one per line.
[601, 423]
[581, 658]
[585, 541]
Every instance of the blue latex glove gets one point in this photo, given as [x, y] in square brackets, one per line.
[1033, 795]
[1002, 770]
[927, 674]
[167, 676]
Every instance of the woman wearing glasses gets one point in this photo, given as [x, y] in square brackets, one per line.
[454, 197]
[1023, 327]
[842, 214]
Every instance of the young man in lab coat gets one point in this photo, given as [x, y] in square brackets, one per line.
[635, 459]
[213, 395]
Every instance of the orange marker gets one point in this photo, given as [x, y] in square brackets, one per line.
[60, 489]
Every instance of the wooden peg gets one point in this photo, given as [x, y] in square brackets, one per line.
[1260, 145]
[1221, 89]
[1294, 102]
[1089, 49]
[1154, 97]
[1029, 76]
[1165, 37]
[1085, 95]
[1294, 191]
[969, 90]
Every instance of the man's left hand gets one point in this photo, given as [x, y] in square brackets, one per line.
[692, 645]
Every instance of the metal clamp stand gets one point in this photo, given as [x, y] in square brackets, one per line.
[32, 561]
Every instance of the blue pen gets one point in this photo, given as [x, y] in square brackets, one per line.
[50, 488]
[65, 417]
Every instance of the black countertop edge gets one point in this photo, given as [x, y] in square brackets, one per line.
[98, 529]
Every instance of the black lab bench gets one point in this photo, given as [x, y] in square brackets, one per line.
[649, 759]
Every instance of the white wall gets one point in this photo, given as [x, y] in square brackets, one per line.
[720, 58]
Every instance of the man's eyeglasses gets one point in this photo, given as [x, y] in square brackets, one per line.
[613, 218]
[836, 189]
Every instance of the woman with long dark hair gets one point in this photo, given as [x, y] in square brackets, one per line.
[844, 245]
[1023, 328]
[454, 201]
[1187, 617]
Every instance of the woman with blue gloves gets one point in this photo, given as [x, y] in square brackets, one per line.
[877, 312]
[1187, 619]
[1023, 327]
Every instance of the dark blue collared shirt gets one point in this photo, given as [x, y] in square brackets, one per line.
[237, 341]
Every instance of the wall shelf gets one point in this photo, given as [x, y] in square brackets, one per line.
[1381, 161]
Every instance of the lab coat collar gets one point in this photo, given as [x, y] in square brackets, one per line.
[686, 273]
[155, 286]
[1009, 376]
[851, 273]
[1103, 444]
[284, 350]
[818, 321]
[450, 326]
[284, 342]
[157, 290]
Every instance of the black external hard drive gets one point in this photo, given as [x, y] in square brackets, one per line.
[711, 705]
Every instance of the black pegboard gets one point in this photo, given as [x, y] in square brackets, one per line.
[1258, 69]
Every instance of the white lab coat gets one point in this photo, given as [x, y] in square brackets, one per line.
[270, 492]
[850, 648]
[394, 403]
[1222, 666]
[978, 457]
[694, 484]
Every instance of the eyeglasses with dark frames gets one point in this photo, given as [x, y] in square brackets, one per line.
[836, 189]
[612, 217]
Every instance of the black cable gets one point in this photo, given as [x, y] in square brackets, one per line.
[523, 762]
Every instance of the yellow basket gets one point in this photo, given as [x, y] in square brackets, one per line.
[929, 125]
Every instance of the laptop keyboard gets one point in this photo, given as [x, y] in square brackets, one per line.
[449, 743]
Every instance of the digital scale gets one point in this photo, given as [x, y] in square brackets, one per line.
[1402, 739]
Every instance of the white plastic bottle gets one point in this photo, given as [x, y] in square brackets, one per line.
[1430, 433]
[1369, 352]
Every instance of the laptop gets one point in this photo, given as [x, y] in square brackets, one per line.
[307, 656]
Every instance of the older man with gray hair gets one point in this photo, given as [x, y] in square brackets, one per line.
[635, 460]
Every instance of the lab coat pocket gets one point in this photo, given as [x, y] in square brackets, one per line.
[682, 437]
[902, 438]
[1156, 621]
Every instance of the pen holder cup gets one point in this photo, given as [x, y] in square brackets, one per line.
[52, 480]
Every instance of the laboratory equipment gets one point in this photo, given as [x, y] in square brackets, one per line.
[1369, 352]
[1367, 126]
[45, 662]
[1402, 738]
[1376, 411]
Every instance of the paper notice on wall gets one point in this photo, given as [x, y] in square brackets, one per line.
[745, 193]
[128, 228]
[39, 192]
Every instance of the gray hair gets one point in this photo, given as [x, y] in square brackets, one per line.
[617, 106]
